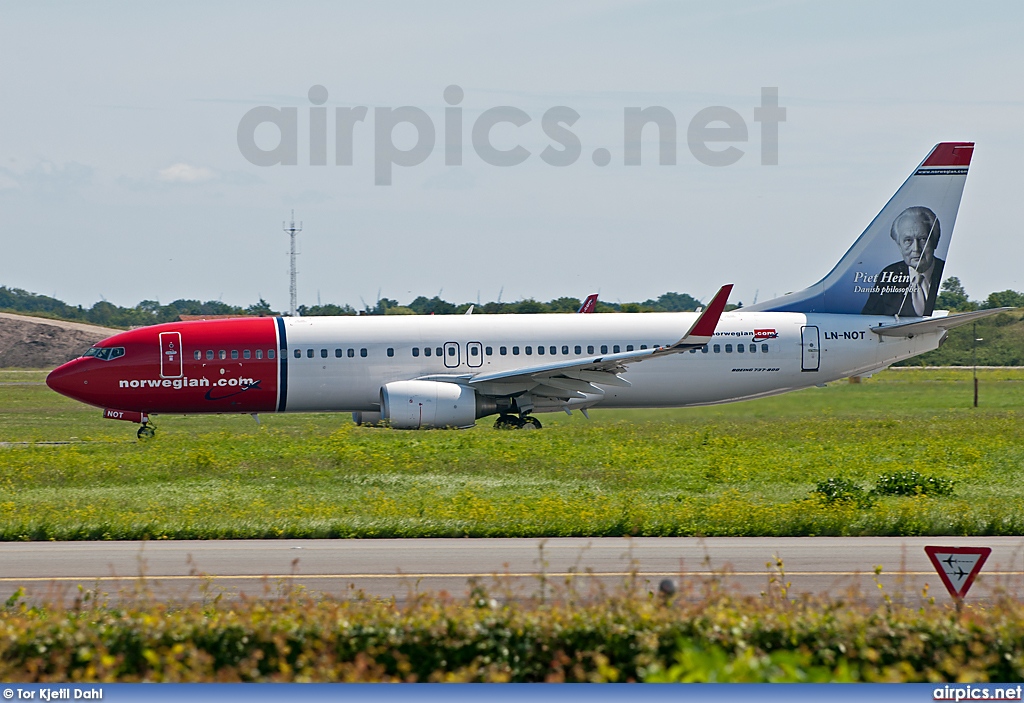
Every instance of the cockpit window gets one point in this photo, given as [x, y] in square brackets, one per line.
[105, 353]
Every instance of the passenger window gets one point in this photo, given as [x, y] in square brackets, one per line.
[728, 349]
[234, 353]
[391, 351]
[553, 350]
[298, 353]
[693, 351]
[604, 348]
[764, 348]
[629, 347]
[489, 351]
[515, 351]
[615, 349]
[590, 348]
[565, 349]
[323, 353]
[362, 352]
[503, 350]
[198, 355]
[578, 349]
[416, 351]
[427, 351]
[643, 346]
[740, 348]
[270, 353]
[438, 351]
[259, 354]
[246, 354]
[718, 348]
[209, 354]
[473, 350]
[529, 351]
[704, 349]
[351, 353]
[540, 350]
[451, 351]
[337, 353]
[222, 354]
[309, 353]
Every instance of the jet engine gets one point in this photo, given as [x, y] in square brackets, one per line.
[414, 405]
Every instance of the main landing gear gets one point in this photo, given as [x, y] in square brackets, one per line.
[522, 422]
[147, 431]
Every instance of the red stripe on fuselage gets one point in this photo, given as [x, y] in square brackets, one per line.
[232, 384]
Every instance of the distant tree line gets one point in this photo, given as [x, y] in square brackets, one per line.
[151, 312]
[952, 297]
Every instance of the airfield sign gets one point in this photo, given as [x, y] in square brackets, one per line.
[958, 566]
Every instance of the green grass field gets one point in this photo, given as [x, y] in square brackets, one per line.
[741, 469]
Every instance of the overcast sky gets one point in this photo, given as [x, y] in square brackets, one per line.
[121, 175]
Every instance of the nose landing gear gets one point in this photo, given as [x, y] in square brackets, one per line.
[147, 431]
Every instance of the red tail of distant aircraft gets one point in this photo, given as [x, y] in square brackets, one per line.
[589, 304]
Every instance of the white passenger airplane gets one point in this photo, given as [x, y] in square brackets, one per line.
[873, 309]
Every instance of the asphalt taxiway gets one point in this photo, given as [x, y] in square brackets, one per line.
[190, 570]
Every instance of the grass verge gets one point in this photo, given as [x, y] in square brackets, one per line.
[744, 469]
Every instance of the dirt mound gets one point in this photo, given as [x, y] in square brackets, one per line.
[40, 343]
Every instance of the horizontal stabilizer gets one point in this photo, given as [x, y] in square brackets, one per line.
[909, 329]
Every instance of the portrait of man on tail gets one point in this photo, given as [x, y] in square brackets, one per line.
[908, 288]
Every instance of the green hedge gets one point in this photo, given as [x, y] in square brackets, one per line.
[624, 637]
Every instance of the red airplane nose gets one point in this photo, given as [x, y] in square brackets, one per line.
[67, 380]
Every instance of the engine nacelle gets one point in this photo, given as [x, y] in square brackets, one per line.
[414, 405]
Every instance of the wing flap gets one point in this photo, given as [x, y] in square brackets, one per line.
[571, 384]
[605, 378]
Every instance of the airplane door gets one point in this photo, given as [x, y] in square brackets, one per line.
[451, 354]
[474, 354]
[170, 355]
[810, 348]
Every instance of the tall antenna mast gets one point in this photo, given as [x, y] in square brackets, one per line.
[292, 230]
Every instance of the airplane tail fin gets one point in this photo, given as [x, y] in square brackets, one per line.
[589, 304]
[895, 266]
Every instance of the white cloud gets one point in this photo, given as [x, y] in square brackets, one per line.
[184, 173]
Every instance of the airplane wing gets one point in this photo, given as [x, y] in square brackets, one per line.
[948, 322]
[572, 378]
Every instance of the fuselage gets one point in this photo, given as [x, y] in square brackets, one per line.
[263, 365]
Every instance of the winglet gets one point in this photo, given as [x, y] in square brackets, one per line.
[589, 304]
[707, 322]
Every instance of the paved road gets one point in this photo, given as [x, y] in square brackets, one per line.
[178, 570]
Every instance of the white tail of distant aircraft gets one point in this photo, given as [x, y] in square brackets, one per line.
[873, 309]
